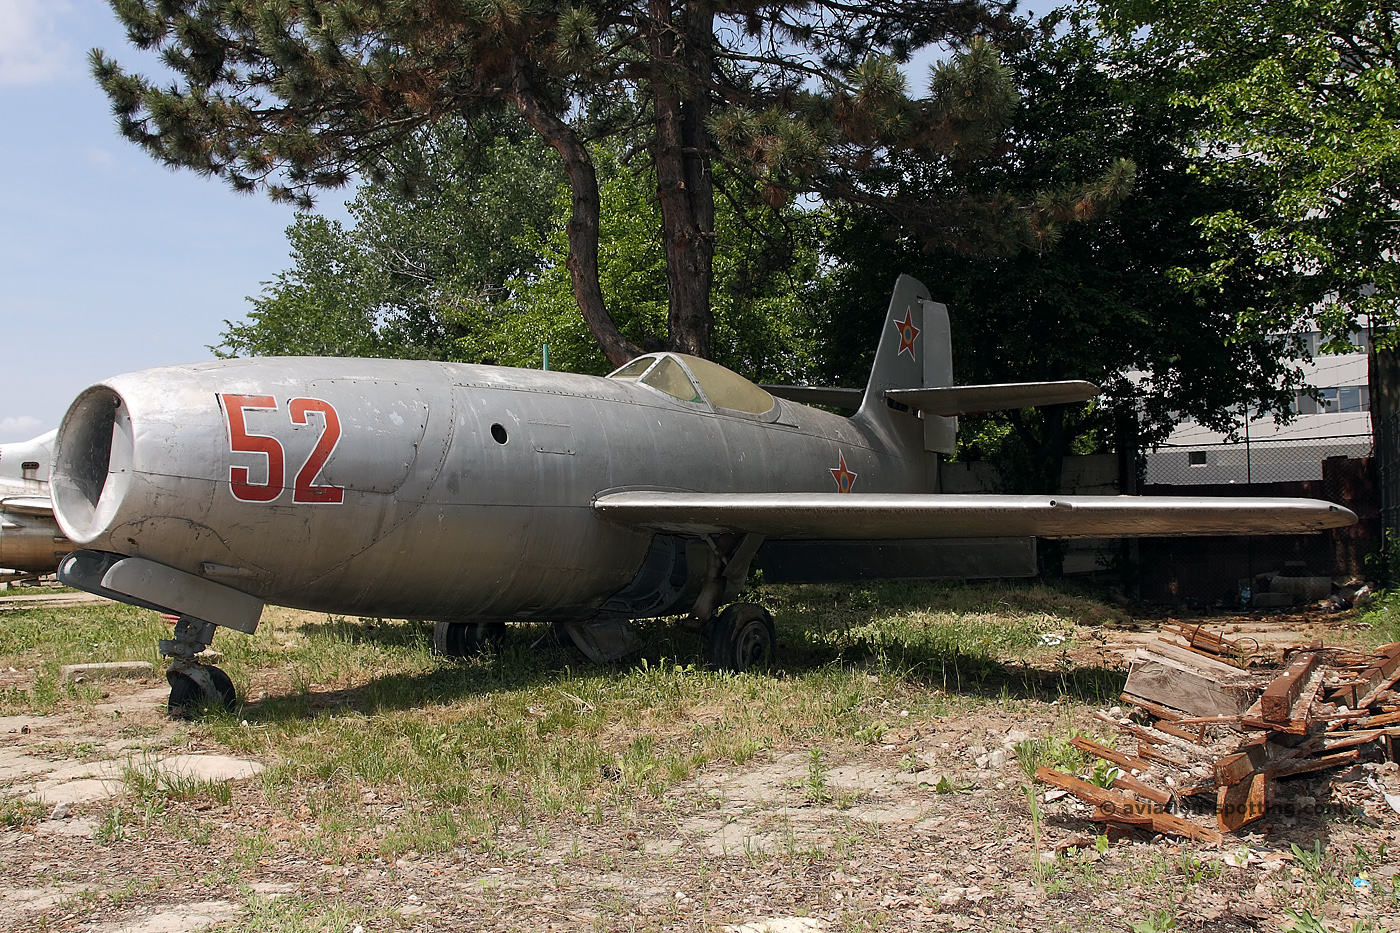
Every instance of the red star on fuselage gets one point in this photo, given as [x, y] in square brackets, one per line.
[908, 333]
[845, 479]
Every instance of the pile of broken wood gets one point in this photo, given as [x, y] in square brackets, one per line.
[1219, 727]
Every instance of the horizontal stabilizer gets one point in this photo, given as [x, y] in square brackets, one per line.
[968, 400]
[950, 400]
[819, 395]
[876, 516]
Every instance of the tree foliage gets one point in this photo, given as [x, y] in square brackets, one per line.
[471, 265]
[1108, 302]
[805, 96]
[1303, 101]
[434, 243]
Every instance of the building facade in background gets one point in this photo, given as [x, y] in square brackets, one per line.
[1339, 425]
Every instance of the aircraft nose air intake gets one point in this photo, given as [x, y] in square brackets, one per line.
[92, 464]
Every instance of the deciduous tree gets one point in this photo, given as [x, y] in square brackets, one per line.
[296, 95]
[1117, 300]
[1303, 102]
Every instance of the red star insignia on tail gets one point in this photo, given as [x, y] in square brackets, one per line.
[845, 479]
[908, 333]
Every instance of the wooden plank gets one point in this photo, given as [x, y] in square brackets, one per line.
[1108, 754]
[1128, 782]
[1113, 815]
[1195, 737]
[1198, 686]
[1184, 742]
[1156, 709]
[1146, 814]
[1241, 803]
[1089, 793]
[1294, 766]
[1233, 769]
[1350, 740]
[1276, 704]
[1119, 809]
[1380, 676]
[1150, 753]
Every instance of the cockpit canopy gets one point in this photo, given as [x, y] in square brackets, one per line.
[678, 375]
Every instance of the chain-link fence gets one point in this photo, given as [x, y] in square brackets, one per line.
[1248, 462]
[1338, 468]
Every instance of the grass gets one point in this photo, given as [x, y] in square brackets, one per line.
[378, 750]
[339, 706]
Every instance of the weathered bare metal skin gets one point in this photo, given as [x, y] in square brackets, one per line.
[457, 492]
[439, 520]
[30, 542]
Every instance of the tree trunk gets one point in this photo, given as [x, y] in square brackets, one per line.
[683, 60]
[583, 221]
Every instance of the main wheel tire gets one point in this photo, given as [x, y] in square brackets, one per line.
[742, 638]
[466, 639]
[187, 698]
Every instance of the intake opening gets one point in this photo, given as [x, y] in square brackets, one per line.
[92, 463]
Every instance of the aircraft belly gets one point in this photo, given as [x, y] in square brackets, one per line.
[481, 562]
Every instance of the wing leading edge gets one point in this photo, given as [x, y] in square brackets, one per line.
[877, 516]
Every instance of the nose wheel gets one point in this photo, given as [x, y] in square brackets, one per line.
[193, 685]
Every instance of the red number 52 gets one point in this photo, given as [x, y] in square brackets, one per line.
[240, 441]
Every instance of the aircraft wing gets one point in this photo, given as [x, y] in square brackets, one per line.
[872, 516]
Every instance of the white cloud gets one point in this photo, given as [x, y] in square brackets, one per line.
[31, 50]
[19, 428]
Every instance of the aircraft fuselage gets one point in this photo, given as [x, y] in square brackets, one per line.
[421, 489]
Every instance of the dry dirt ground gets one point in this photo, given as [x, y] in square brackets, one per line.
[928, 829]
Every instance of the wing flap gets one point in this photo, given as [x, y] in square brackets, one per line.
[965, 400]
[877, 516]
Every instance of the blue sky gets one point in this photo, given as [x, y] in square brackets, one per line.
[108, 261]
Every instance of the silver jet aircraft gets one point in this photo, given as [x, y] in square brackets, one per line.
[480, 495]
[30, 542]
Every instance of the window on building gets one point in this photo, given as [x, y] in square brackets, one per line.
[1196, 458]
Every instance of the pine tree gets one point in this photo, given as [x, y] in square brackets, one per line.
[293, 96]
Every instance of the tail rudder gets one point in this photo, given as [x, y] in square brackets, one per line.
[915, 352]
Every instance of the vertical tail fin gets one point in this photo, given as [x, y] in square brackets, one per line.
[915, 352]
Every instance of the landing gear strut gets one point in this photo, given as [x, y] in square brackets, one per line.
[192, 684]
[741, 638]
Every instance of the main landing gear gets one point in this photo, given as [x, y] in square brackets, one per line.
[466, 639]
[194, 685]
[740, 638]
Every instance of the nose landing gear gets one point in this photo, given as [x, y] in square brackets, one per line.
[193, 684]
